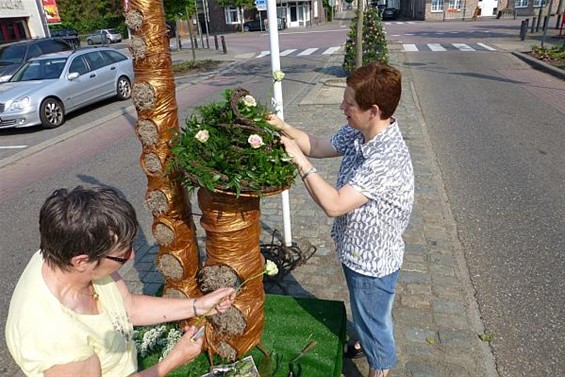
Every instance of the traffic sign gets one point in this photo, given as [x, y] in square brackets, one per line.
[261, 4]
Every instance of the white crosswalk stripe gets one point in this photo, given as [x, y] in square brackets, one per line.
[463, 47]
[436, 47]
[487, 47]
[331, 50]
[440, 47]
[287, 52]
[305, 52]
[308, 51]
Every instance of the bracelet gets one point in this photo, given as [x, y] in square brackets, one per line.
[312, 170]
[194, 307]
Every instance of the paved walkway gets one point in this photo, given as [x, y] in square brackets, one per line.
[436, 316]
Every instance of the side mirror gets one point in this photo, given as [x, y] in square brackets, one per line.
[73, 75]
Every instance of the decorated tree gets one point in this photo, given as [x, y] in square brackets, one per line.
[373, 40]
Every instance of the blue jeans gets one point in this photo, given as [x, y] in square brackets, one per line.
[371, 307]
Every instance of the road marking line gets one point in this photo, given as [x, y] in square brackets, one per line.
[308, 51]
[13, 146]
[331, 50]
[287, 52]
[436, 47]
[486, 47]
[463, 47]
[410, 47]
[263, 54]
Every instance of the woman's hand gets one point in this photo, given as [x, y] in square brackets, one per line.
[293, 151]
[276, 122]
[184, 351]
[216, 302]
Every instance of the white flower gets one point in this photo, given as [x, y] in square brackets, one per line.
[202, 136]
[271, 268]
[278, 75]
[255, 141]
[249, 101]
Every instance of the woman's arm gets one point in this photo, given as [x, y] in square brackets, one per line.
[333, 202]
[86, 368]
[310, 145]
[148, 310]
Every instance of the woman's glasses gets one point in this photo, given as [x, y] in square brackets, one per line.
[121, 260]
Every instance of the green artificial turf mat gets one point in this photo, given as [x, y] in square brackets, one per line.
[290, 324]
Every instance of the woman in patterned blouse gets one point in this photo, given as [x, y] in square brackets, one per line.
[371, 202]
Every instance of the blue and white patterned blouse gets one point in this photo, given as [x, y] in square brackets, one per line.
[369, 238]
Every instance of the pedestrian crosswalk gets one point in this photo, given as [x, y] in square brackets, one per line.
[439, 47]
[408, 47]
[303, 52]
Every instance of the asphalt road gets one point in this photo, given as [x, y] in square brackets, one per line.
[496, 127]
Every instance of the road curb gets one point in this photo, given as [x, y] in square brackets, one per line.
[539, 65]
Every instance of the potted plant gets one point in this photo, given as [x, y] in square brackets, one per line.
[229, 151]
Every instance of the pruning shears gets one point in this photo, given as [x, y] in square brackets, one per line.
[295, 372]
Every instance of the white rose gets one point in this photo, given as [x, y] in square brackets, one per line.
[271, 268]
[255, 141]
[202, 136]
[249, 101]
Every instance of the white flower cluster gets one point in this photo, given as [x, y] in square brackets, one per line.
[159, 338]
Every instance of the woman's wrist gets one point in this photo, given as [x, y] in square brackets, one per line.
[194, 309]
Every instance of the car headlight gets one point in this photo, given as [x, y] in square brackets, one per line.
[20, 104]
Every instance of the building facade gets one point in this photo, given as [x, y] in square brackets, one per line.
[446, 10]
[21, 19]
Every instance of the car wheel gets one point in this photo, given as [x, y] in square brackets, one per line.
[246, 28]
[123, 88]
[51, 113]
[89, 41]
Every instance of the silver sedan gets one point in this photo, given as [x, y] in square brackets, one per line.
[48, 87]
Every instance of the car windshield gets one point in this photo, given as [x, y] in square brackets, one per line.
[112, 31]
[12, 54]
[44, 69]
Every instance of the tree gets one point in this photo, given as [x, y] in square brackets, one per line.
[374, 45]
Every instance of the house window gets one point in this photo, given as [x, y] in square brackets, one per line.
[521, 4]
[455, 4]
[232, 15]
[539, 3]
[437, 5]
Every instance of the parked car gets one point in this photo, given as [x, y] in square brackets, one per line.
[14, 55]
[255, 25]
[104, 36]
[390, 13]
[69, 35]
[49, 87]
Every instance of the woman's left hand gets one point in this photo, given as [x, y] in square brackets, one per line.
[216, 302]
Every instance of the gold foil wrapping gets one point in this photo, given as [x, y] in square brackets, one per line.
[165, 196]
[233, 228]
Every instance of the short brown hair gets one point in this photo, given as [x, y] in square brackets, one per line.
[376, 84]
[86, 220]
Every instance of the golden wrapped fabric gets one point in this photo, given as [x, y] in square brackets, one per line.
[233, 227]
[154, 97]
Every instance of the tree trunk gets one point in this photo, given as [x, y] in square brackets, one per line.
[154, 98]
[359, 37]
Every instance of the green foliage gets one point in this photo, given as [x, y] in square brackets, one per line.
[214, 149]
[554, 55]
[179, 9]
[245, 4]
[86, 16]
[374, 41]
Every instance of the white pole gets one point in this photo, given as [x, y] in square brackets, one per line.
[278, 102]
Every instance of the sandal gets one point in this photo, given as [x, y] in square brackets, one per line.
[353, 350]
